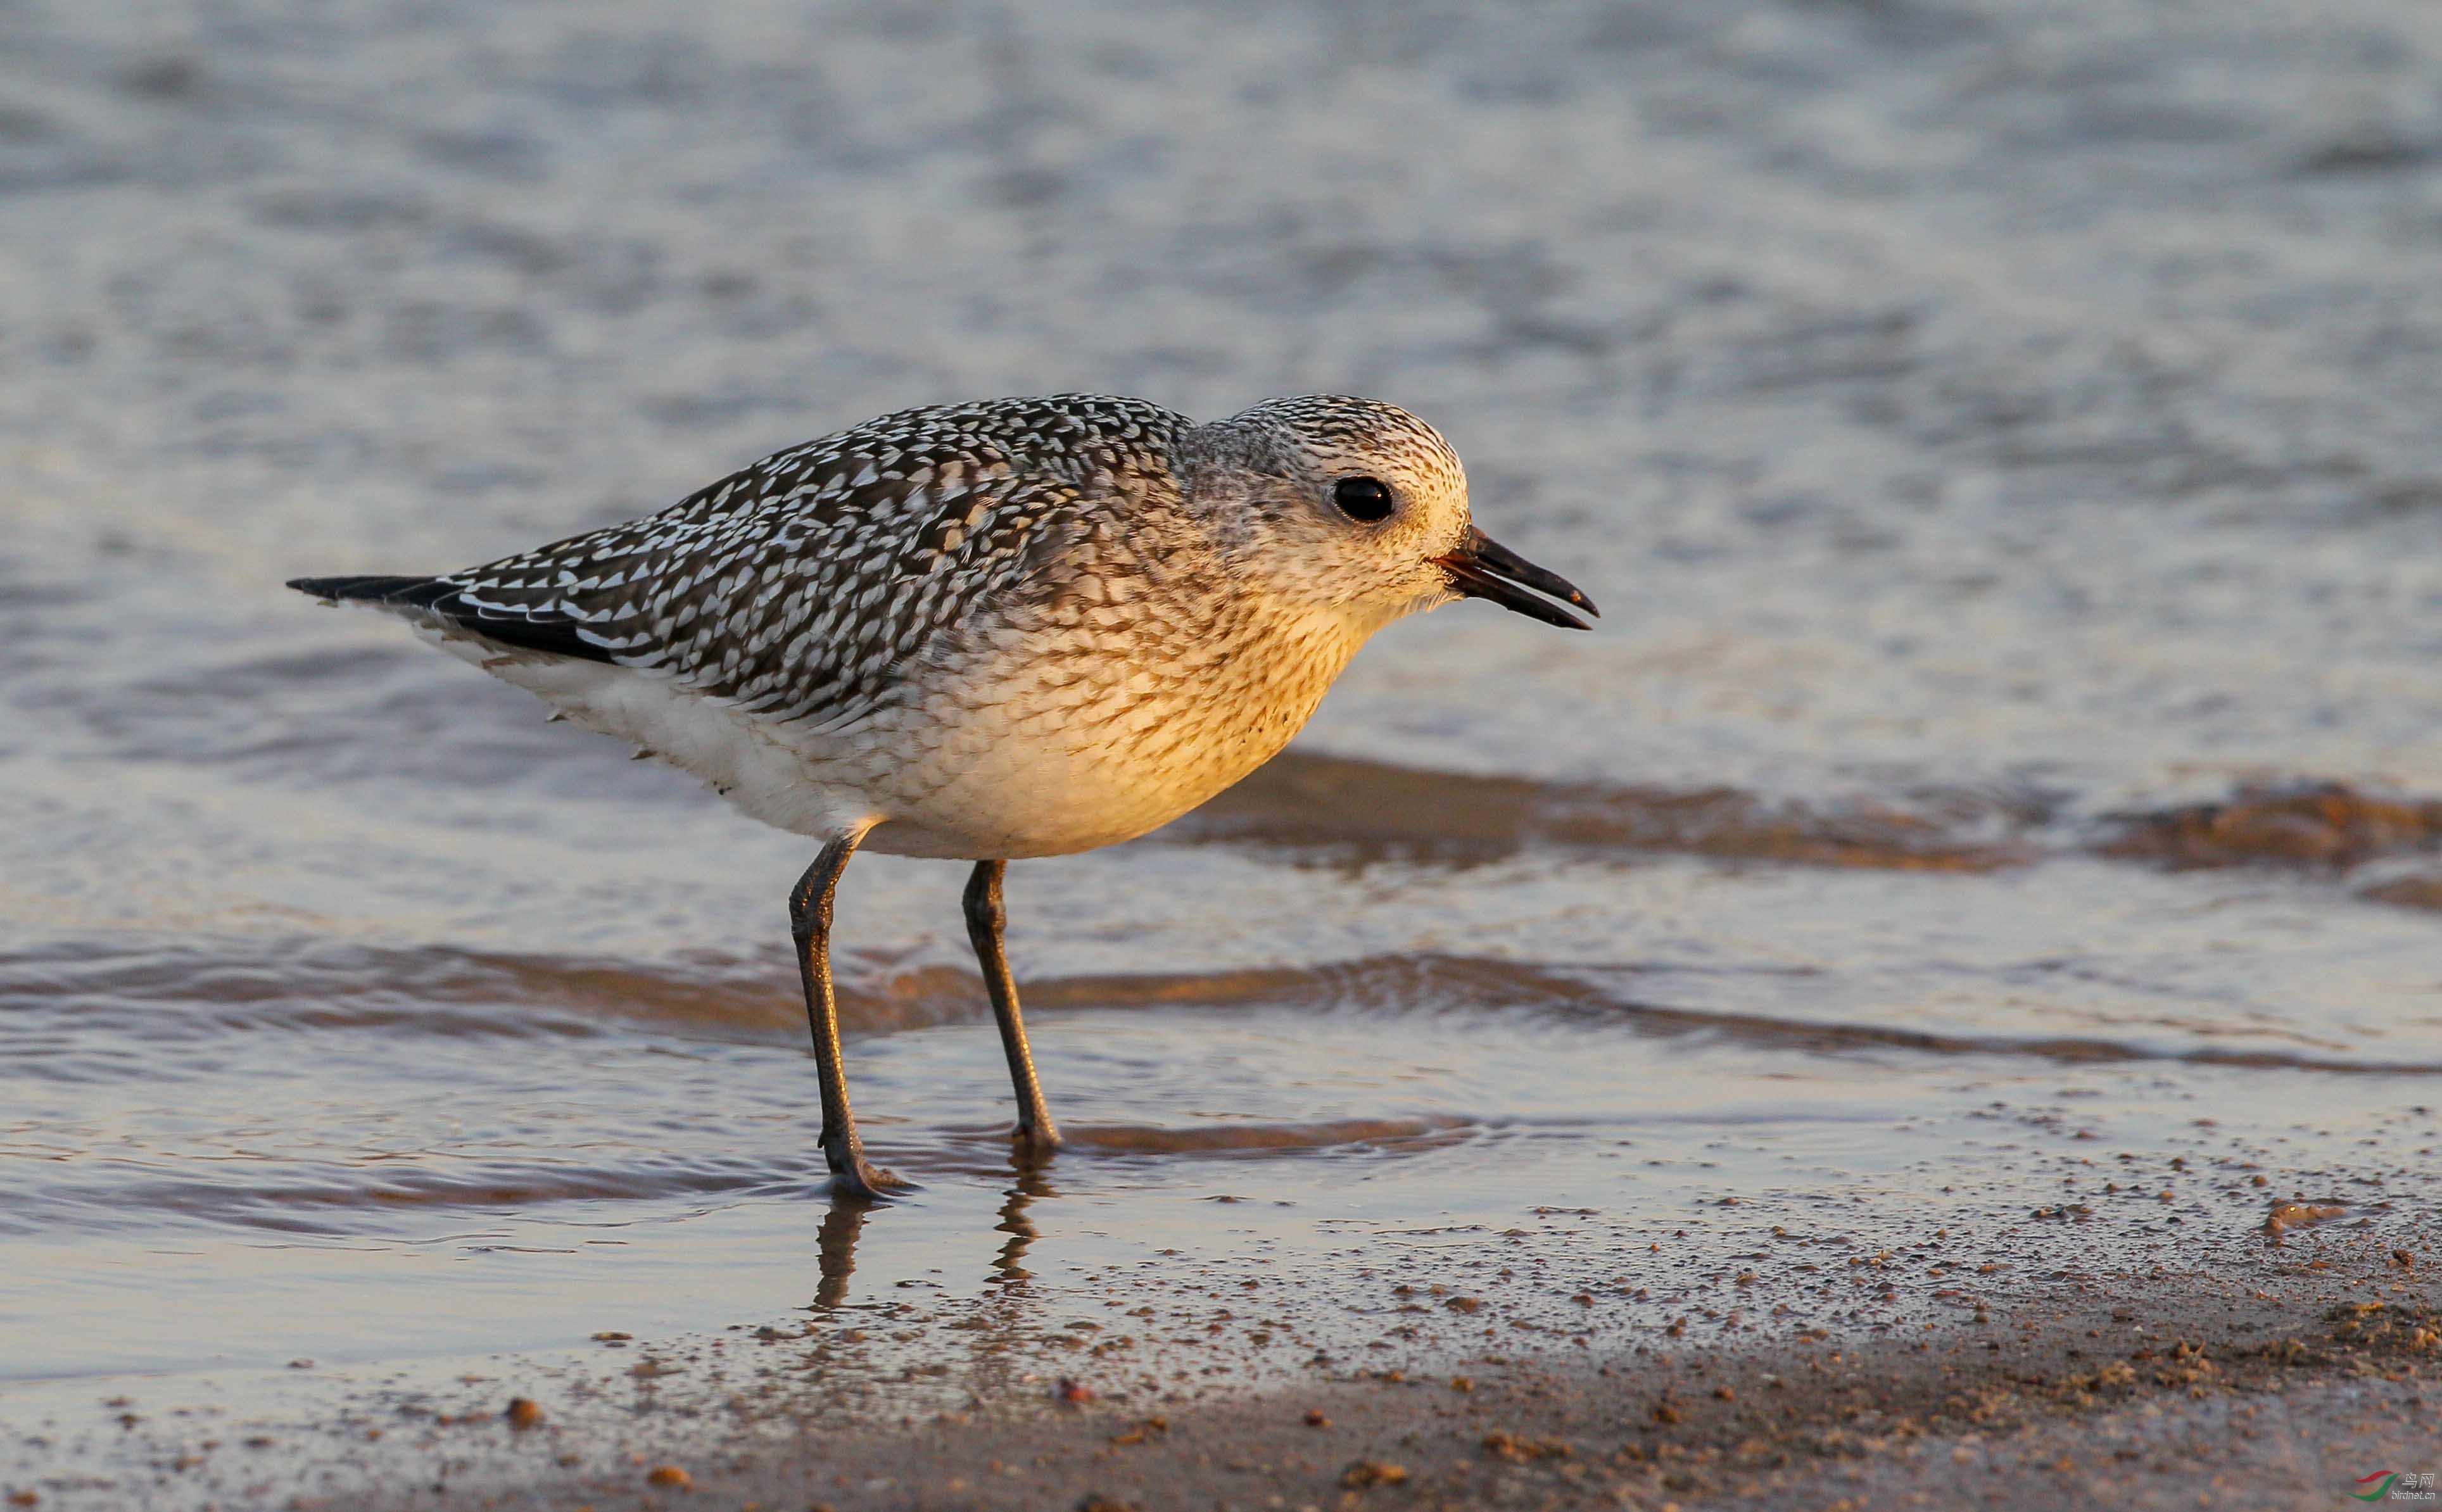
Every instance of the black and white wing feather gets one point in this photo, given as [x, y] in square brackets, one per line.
[805, 585]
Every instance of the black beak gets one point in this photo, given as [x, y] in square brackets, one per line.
[1483, 568]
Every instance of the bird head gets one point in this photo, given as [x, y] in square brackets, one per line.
[1357, 509]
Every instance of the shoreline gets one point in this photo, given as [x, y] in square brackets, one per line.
[2070, 1397]
[2251, 1382]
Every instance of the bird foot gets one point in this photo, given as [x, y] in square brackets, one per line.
[860, 1181]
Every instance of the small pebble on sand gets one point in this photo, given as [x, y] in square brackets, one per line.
[1366, 1474]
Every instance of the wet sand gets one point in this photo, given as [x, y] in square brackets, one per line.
[2223, 1374]
[2270, 1389]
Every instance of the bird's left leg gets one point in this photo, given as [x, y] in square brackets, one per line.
[986, 920]
[810, 923]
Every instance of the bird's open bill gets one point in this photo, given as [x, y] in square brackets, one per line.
[1483, 568]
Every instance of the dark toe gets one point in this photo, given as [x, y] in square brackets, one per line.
[868, 1184]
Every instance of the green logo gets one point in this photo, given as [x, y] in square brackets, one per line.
[2386, 1476]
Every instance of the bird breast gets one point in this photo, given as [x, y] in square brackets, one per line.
[1101, 719]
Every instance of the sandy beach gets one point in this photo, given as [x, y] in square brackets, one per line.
[2274, 1376]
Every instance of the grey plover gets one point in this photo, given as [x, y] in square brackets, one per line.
[984, 631]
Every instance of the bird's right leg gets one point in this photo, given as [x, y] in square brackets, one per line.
[987, 920]
[810, 923]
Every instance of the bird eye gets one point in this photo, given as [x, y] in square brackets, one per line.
[1365, 499]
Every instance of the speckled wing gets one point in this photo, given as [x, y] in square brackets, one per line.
[804, 587]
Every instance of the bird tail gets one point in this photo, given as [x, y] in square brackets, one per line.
[439, 602]
[403, 592]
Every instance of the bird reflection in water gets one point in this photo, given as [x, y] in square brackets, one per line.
[1028, 1184]
[835, 1241]
[835, 1245]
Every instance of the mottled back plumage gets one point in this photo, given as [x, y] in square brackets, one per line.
[799, 587]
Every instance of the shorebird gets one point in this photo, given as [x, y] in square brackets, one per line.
[983, 632]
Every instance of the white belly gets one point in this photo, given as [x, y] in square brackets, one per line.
[1034, 762]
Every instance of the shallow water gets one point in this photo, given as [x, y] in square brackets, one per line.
[2001, 439]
